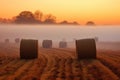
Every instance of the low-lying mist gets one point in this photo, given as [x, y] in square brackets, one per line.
[59, 32]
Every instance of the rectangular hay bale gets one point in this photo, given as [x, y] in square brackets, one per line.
[85, 49]
[28, 49]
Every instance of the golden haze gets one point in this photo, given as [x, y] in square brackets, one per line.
[99, 11]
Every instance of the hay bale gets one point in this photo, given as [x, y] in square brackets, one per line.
[86, 48]
[7, 40]
[62, 44]
[28, 49]
[96, 39]
[47, 43]
[17, 40]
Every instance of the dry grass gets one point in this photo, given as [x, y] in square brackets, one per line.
[58, 64]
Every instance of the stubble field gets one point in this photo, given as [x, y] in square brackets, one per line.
[58, 64]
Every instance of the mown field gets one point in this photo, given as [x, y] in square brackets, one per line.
[58, 64]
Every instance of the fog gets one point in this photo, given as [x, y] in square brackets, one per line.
[59, 32]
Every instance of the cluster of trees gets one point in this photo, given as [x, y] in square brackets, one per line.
[4, 20]
[27, 17]
[37, 17]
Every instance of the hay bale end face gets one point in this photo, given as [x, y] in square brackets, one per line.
[86, 49]
[62, 44]
[47, 43]
[28, 49]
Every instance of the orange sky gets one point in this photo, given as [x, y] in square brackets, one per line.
[99, 11]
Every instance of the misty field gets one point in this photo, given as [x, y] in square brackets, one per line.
[58, 64]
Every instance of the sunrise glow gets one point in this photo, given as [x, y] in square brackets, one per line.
[99, 11]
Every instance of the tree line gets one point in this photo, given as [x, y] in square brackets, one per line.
[27, 17]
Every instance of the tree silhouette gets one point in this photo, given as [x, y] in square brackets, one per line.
[68, 23]
[90, 23]
[5, 21]
[50, 19]
[64, 22]
[75, 23]
[26, 17]
[38, 15]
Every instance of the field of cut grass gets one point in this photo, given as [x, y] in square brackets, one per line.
[58, 64]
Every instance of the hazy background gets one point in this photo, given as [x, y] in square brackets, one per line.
[59, 32]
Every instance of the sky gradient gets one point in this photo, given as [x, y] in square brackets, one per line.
[99, 11]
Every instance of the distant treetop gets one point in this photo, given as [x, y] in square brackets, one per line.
[25, 17]
[90, 23]
[70, 23]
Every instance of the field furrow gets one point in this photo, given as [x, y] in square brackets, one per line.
[58, 64]
[112, 65]
[49, 69]
[94, 70]
[11, 68]
[20, 71]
